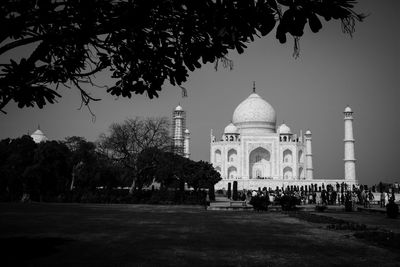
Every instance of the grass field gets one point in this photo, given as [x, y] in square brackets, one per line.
[140, 235]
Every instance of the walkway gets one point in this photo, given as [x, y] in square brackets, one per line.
[224, 203]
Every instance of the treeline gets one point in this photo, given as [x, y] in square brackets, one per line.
[53, 170]
[76, 170]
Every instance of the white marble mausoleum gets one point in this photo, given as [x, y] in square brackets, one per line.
[256, 153]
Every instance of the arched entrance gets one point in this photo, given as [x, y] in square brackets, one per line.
[217, 155]
[218, 169]
[287, 173]
[287, 156]
[259, 163]
[232, 154]
[232, 172]
[300, 156]
[301, 175]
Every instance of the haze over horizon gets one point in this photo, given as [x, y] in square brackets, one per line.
[309, 92]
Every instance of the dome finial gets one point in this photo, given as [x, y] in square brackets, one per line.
[254, 86]
[179, 107]
[38, 126]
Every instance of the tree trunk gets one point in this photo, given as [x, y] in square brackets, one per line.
[182, 185]
[25, 197]
[72, 183]
[132, 188]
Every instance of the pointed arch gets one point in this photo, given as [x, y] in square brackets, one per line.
[287, 156]
[218, 169]
[301, 174]
[232, 155]
[259, 163]
[287, 173]
[300, 156]
[232, 172]
[217, 155]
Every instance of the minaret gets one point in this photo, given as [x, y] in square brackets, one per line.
[349, 160]
[186, 144]
[301, 136]
[309, 165]
[178, 126]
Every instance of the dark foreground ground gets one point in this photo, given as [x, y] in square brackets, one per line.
[139, 235]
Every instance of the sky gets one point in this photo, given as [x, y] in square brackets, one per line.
[310, 92]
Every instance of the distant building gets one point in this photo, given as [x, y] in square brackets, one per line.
[180, 135]
[38, 136]
[256, 153]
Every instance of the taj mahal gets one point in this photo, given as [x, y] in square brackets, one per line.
[256, 153]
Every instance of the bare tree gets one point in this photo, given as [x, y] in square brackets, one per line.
[128, 139]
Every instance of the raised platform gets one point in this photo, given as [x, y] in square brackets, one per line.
[230, 208]
[223, 203]
[254, 184]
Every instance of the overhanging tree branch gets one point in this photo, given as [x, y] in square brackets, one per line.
[18, 43]
[143, 43]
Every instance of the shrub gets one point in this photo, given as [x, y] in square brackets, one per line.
[155, 198]
[122, 196]
[220, 192]
[229, 191]
[90, 197]
[348, 226]
[211, 193]
[260, 203]
[348, 205]
[289, 202]
[234, 191]
[392, 210]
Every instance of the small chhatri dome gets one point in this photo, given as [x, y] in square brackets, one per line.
[254, 114]
[348, 109]
[230, 129]
[178, 108]
[187, 131]
[284, 129]
[308, 132]
[38, 136]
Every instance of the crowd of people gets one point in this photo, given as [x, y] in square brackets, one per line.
[329, 195]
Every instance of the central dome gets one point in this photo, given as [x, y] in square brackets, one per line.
[254, 115]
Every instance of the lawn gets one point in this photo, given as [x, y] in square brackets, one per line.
[142, 235]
